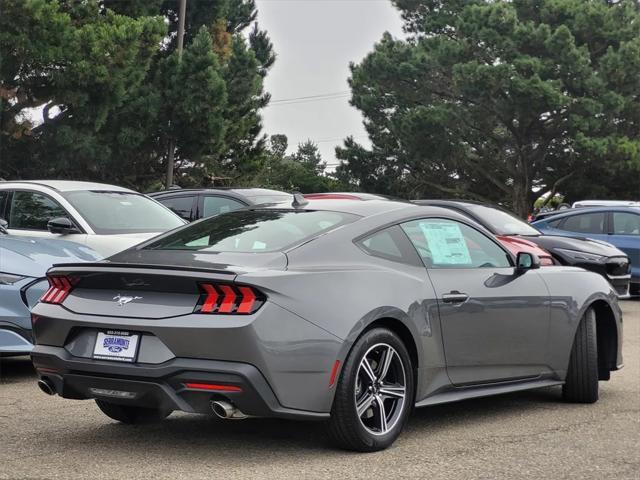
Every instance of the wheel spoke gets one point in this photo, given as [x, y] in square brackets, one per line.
[364, 404]
[366, 366]
[383, 414]
[386, 362]
[392, 391]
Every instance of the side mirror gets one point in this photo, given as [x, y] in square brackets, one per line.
[62, 225]
[527, 261]
[3, 225]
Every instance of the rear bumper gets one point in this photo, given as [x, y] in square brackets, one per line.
[164, 385]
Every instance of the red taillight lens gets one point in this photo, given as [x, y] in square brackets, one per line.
[59, 289]
[228, 299]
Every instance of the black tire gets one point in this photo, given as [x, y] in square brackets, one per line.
[345, 427]
[581, 384]
[130, 414]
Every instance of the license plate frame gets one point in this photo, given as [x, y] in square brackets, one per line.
[116, 346]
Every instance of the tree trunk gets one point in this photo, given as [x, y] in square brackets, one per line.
[521, 197]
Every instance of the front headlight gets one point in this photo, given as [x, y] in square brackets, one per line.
[580, 256]
[9, 278]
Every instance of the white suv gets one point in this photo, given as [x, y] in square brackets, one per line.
[107, 218]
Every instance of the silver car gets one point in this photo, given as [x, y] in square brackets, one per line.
[346, 312]
[106, 218]
[24, 262]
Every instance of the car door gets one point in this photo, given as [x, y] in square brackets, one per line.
[495, 319]
[216, 204]
[30, 211]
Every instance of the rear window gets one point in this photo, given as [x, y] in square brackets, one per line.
[253, 231]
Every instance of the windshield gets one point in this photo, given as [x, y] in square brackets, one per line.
[501, 222]
[253, 231]
[122, 212]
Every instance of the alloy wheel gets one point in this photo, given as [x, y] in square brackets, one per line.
[380, 389]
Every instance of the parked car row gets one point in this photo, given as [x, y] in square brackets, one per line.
[343, 307]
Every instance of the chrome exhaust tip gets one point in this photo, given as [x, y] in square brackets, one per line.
[226, 410]
[46, 386]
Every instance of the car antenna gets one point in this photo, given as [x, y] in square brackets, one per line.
[299, 200]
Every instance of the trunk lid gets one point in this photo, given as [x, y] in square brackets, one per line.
[161, 287]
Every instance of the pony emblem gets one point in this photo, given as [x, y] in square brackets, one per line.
[123, 299]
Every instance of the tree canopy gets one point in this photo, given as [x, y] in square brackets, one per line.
[501, 101]
[105, 78]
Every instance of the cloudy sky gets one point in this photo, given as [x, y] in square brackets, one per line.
[315, 40]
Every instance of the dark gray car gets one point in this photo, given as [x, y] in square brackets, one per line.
[348, 312]
[196, 203]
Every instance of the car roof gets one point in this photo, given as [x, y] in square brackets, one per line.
[244, 191]
[351, 196]
[606, 203]
[67, 185]
[459, 204]
[579, 211]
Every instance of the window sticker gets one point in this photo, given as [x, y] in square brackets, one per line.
[446, 243]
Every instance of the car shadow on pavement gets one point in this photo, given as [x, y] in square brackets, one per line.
[205, 436]
[15, 369]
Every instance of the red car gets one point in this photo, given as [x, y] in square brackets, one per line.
[518, 244]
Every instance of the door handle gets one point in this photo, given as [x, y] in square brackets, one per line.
[455, 297]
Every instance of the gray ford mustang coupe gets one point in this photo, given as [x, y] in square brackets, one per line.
[347, 312]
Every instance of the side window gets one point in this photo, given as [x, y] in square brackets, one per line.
[555, 223]
[443, 243]
[180, 205]
[625, 223]
[390, 244]
[216, 205]
[4, 196]
[32, 211]
[585, 223]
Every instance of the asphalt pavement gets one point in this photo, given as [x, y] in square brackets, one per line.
[525, 435]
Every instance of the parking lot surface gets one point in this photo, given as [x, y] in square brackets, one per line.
[523, 435]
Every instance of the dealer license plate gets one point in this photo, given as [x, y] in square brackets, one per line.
[116, 345]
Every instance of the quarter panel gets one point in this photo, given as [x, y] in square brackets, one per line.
[345, 299]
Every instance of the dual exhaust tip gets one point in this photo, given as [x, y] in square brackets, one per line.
[47, 386]
[226, 410]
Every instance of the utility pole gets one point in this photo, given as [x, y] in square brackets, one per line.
[172, 143]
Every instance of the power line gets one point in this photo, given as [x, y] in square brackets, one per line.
[311, 96]
[334, 139]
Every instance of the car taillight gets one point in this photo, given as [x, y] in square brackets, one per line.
[59, 289]
[228, 299]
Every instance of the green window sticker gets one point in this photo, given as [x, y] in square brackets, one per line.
[446, 243]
